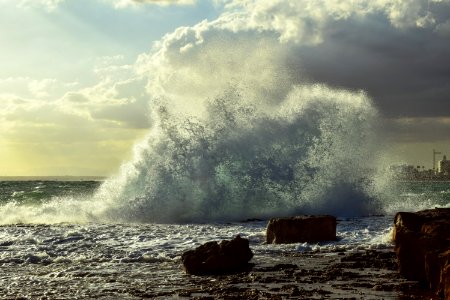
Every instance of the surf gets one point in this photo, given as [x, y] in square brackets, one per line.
[309, 153]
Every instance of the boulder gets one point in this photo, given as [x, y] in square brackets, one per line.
[218, 258]
[301, 229]
[422, 243]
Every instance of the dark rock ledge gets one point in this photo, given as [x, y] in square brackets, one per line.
[422, 246]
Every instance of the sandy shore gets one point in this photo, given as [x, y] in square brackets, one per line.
[352, 275]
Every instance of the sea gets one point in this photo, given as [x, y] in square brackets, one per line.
[43, 257]
[222, 171]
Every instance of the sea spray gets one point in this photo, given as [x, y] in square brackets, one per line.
[313, 153]
[239, 130]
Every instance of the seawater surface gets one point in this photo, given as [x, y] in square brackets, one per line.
[131, 260]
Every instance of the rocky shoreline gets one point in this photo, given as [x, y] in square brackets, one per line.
[369, 274]
[274, 271]
[366, 275]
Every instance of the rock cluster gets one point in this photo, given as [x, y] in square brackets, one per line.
[422, 246]
[368, 274]
[218, 258]
[301, 229]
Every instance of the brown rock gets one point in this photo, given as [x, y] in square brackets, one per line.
[422, 240]
[218, 258]
[446, 282]
[301, 229]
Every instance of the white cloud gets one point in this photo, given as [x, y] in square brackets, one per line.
[303, 20]
[41, 88]
[124, 103]
[49, 5]
[26, 87]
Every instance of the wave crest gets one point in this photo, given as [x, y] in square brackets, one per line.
[310, 154]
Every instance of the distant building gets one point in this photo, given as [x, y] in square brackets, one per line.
[444, 166]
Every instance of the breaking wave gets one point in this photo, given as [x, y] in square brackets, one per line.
[313, 153]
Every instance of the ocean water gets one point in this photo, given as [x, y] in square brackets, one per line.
[198, 177]
[81, 260]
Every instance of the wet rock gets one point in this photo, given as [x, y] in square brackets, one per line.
[301, 229]
[422, 241]
[295, 292]
[446, 280]
[218, 258]
[444, 287]
[280, 267]
[6, 243]
[371, 259]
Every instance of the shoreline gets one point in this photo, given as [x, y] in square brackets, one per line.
[365, 274]
[115, 271]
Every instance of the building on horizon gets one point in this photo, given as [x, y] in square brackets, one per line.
[444, 166]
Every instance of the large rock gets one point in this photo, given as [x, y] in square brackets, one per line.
[218, 258]
[301, 229]
[422, 244]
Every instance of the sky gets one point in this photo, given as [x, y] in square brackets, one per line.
[79, 79]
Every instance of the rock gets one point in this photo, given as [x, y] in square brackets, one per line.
[218, 258]
[422, 243]
[446, 280]
[301, 229]
[444, 286]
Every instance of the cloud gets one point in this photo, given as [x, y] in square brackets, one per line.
[387, 48]
[49, 5]
[26, 87]
[135, 3]
[394, 50]
[49, 139]
[396, 53]
[52, 127]
[444, 29]
[414, 129]
[83, 132]
[303, 21]
[122, 104]
[126, 103]
[52, 5]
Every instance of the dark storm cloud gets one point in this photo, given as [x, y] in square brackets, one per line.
[407, 130]
[405, 71]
